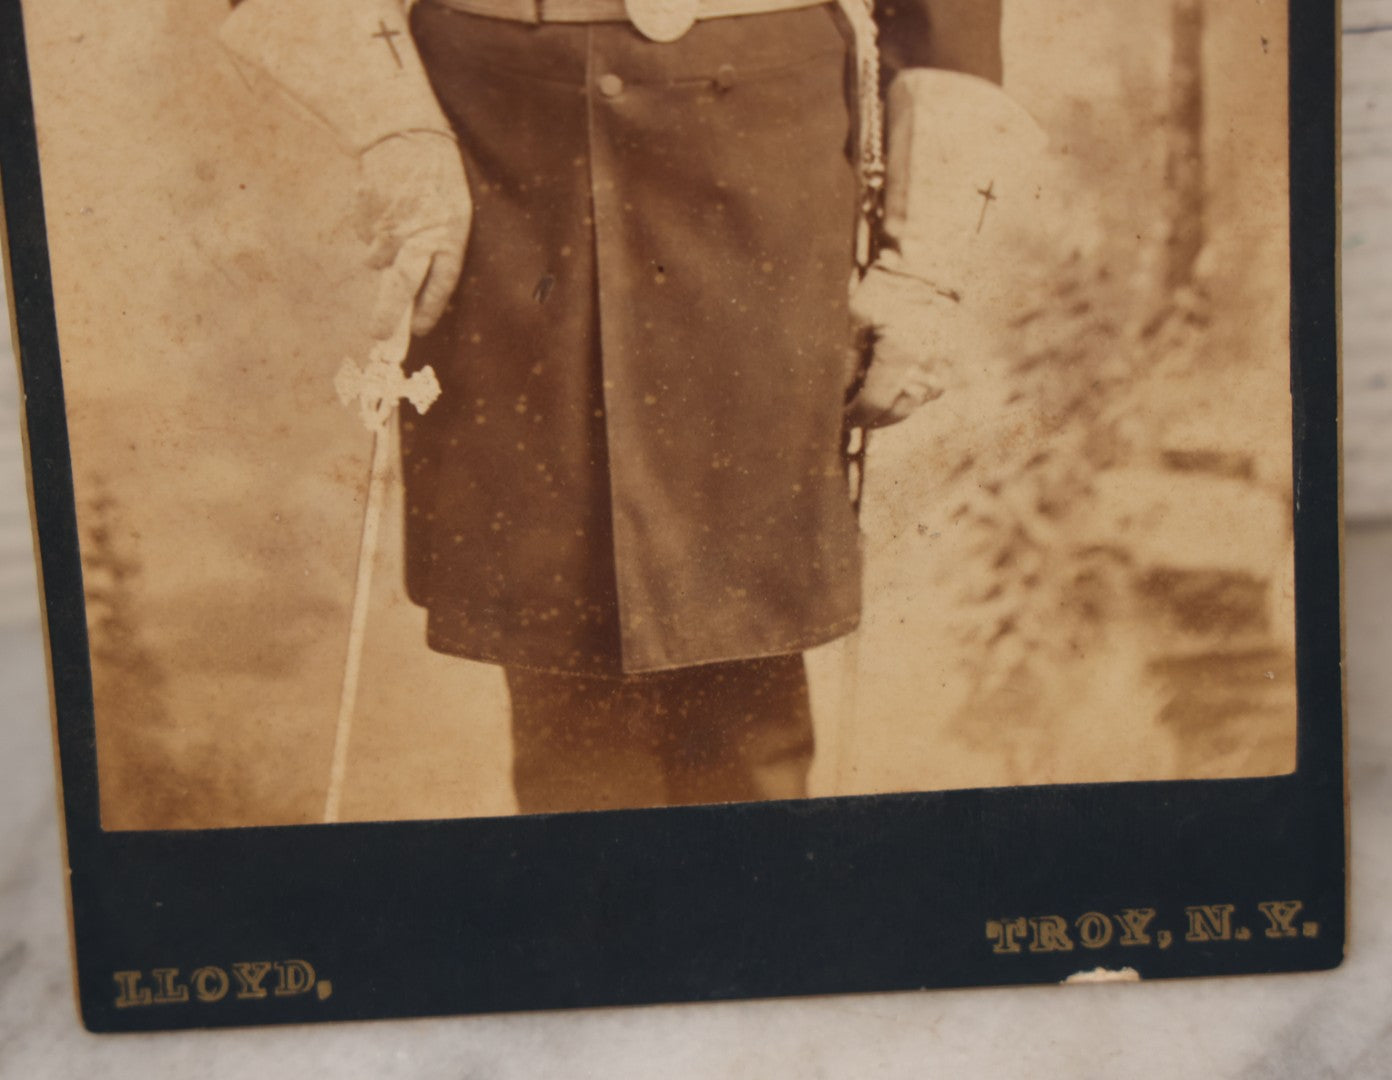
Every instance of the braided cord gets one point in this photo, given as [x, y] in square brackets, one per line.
[870, 128]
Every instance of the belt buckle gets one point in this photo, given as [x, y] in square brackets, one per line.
[662, 20]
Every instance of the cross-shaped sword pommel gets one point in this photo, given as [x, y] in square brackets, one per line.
[380, 386]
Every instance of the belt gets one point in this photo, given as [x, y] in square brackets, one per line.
[660, 20]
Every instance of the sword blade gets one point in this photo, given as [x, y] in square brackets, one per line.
[357, 628]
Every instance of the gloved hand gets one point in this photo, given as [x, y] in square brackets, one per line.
[414, 209]
[908, 322]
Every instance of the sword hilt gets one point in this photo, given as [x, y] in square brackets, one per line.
[380, 385]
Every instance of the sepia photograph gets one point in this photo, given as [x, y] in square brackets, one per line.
[564, 503]
[491, 407]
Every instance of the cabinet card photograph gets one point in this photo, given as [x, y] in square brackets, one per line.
[476, 415]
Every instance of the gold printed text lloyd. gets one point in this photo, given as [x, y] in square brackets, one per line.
[244, 980]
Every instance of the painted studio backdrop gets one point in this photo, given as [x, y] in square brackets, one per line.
[1078, 559]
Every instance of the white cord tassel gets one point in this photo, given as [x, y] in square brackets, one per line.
[870, 167]
[870, 164]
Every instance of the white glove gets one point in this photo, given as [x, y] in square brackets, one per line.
[351, 64]
[963, 165]
[910, 324]
[414, 209]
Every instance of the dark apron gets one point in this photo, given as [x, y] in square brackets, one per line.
[635, 464]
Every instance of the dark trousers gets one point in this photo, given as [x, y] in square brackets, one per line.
[729, 732]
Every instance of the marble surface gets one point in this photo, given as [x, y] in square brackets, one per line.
[1334, 1024]
[1331, 1024]
[1367, 269]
